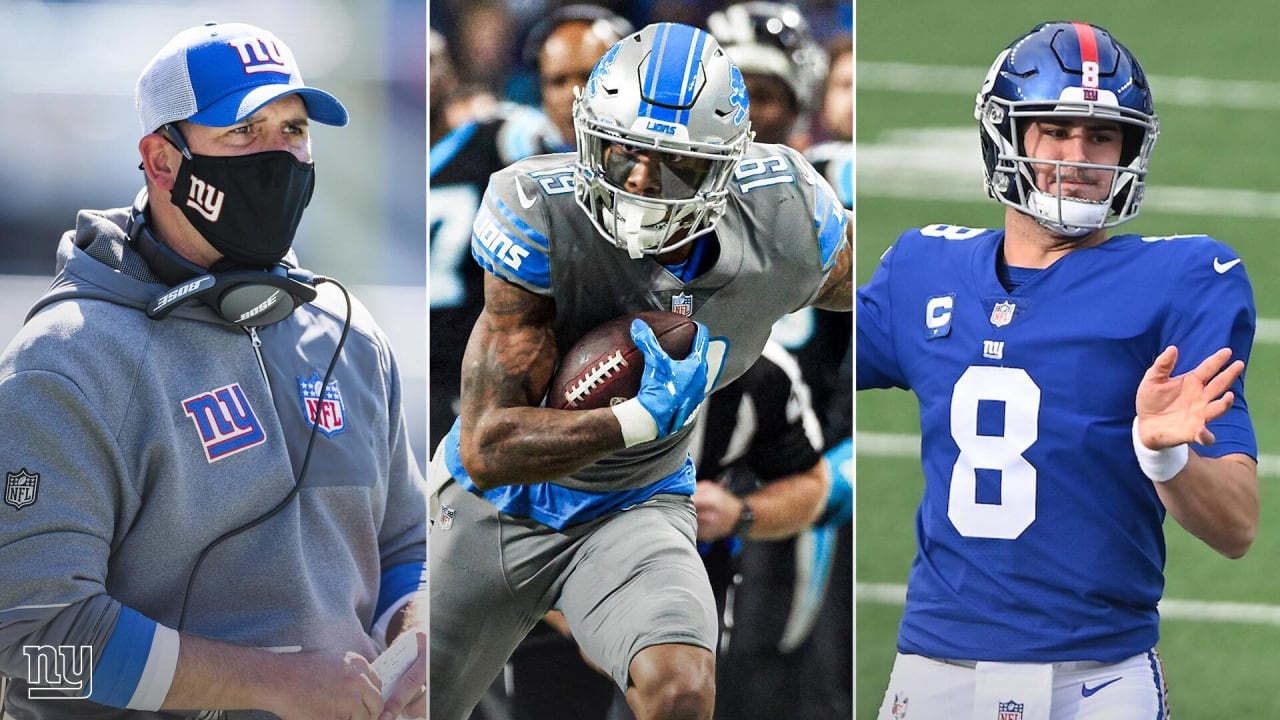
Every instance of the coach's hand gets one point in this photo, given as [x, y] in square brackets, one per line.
[408, 696]
[323, 685]
[670, 390]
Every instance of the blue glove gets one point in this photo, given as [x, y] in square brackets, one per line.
[670, 390]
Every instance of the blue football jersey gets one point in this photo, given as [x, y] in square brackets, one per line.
[1039, 537]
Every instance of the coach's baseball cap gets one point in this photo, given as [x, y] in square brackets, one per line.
[218, 74]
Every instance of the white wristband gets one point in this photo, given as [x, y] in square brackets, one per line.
[638, 426]
[1159, 465]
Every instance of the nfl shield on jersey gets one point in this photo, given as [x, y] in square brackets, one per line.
[327, 412]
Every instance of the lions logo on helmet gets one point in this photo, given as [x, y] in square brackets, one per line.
[1065, 70]
[669, 92]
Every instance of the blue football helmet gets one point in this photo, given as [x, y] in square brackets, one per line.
[1065, 70]
[670, 91]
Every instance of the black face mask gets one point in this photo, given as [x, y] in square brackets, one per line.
[248, 206]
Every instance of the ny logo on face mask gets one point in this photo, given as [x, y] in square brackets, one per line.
[260, 55]
[205, 199]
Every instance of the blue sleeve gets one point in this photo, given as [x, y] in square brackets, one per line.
[137, 665]
[399, 581]
[829, 220]
[507, 245]
[1213, 310]
[876, 362]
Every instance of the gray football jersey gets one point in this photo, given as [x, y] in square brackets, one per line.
[778, 239]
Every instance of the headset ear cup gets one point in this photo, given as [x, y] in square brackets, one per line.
[264, 298]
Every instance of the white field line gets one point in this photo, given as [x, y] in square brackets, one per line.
[1170, 609]
[946, 164]
[1167, 90]
[901, 445]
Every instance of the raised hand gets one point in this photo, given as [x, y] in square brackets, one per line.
[1177, 409]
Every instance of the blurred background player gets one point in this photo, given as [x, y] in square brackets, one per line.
[786, 587]
[783, 64]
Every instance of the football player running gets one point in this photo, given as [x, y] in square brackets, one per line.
[1073, 388]
[666, 205]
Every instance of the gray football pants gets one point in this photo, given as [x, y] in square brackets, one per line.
[624, 582]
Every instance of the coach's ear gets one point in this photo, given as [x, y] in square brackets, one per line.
[160, 160]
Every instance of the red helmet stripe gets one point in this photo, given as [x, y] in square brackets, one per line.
[1088, 49]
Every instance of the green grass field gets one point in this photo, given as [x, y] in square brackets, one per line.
[1217, 91]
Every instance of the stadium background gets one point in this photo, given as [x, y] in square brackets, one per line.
[70, 135]
[1216, 90]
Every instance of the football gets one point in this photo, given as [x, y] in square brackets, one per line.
[604, 367]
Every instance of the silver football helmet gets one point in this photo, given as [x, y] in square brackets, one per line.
[667, 98]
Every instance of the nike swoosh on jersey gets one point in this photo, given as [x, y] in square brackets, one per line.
[527, 202]
[1086, 691]
[1222, 267]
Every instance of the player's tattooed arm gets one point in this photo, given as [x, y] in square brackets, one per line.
[837, 292]
[506, 439]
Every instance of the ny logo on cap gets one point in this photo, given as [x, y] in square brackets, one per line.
[260, 55]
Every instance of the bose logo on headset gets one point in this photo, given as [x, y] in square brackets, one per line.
[261, 307]
[201, 283]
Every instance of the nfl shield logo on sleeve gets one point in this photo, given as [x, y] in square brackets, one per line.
[1002, 313]
[21, 488]
[326, 412]
[682, 304]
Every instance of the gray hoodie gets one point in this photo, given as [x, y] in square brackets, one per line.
[129, 444]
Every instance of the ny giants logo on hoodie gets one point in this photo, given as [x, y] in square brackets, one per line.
[225, 421]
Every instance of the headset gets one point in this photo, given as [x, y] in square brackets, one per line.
[249, 297]
[246, 297]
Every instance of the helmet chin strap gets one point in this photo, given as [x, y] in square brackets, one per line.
[1069, 217]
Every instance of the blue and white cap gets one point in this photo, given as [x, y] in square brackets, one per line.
[218, 74]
